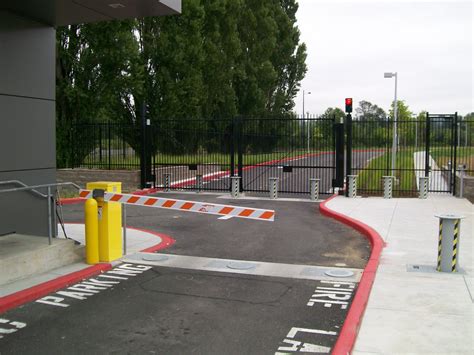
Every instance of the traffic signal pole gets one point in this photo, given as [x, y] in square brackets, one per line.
[348, 142]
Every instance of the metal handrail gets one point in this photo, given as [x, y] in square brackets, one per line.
[48, 196]
[32, 188]
[18, 182]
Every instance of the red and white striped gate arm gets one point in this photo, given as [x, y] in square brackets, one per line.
[190, 206]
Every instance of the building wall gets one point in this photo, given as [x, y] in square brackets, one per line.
[27, 116]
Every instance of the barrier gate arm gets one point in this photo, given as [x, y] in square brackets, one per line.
[189, 206]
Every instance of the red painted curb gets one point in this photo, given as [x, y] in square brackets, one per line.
[166, 241]
[350, 328]
[71, 200]
[33, 293]
[30, 294]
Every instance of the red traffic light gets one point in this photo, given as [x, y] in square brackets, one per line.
[349, 104]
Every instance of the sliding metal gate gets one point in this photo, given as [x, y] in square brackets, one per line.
[203, 154]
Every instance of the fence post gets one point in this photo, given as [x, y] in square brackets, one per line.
[339, 156]
[314, 189]
[198, 183]
[352, 190]
[167, 181]
[387, 186]
[427, 145]
[143, 174]
[448, 242]
[235, 189]
[456, 138]
[240, 168]
[423, 194]
[273, 181]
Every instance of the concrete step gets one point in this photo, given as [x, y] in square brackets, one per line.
[25, 255]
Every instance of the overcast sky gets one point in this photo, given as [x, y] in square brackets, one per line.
[351, 43]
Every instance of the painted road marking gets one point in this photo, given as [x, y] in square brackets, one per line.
[293, 345]
[293, 271]
[338, 294]
[328, 294]
[90, 287]
[6, 326]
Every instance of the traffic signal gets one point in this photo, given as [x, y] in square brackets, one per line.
[349, 105]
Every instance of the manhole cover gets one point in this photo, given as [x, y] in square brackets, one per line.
[240, 265]
[339, 273]
[154, 257]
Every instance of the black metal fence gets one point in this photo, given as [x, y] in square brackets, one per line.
[433, 147]
[294, 150]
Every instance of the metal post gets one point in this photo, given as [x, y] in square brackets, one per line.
[423, 193]
[143, 175]
[348, 147]
[427, 145]
[124, 222]
[166, 181]
[387, 186]
[416, 132]
[50, 226]
[395, 133]
[235, 191]
[455, 158]
[198, 183]
[240, 159]
[273, 181]
[448, 242]
[314, 189]
[461, 169]
[339, 156]
[308, 135]
[352, 186]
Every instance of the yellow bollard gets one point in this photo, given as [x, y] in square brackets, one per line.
[92, 231]
[110, 222]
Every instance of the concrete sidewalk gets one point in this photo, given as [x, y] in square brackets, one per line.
[415, 310]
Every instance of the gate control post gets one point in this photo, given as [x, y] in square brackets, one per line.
[448, 242]
[387, 186]
[167, 181]
[92, 231]
[352, 184]
[314, 189]
[235, 191]
[273, 181]
[110, 222]
[198, 183]
[423, 187]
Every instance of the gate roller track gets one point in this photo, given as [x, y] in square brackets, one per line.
[189, 206]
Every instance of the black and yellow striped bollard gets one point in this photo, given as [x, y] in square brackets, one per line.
[448, 242]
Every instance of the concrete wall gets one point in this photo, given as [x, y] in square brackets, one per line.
[468, 190]
[130, 179]
[27, 116]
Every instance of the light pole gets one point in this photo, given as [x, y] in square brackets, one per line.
[395, 112]
[307, 123]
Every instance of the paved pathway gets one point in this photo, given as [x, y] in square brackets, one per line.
[415, 310]
[437, 181]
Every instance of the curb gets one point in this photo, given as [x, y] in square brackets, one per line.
[33, 293]
[30, 294]
[347, 337]
[166, 240]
